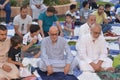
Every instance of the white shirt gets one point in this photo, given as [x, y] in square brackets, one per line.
[22, 22]
[27, 38]
[84, 29]
[35, 2]
[72, 14]
[91, 51]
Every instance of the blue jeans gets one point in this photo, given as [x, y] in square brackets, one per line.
[7, 9]
[106, 27]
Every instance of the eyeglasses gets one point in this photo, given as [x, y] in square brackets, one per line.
[56, 34]
[97, 33]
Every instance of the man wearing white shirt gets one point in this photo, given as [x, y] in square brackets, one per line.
[37, 7]
[93, 51]
[22, 22]
[85, 28]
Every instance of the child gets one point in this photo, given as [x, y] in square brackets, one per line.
[68, 26]
[14, 52]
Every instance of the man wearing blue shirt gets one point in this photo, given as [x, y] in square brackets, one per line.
[46, 20]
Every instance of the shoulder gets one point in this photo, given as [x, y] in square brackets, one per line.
[17, 17]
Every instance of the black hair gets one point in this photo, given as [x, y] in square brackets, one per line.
[68, 15]
[3, 27]
[34, 28]
[23, 7]
[107, 5]
[51, 9]
[85, 3]
[72, 6]
[15, 40]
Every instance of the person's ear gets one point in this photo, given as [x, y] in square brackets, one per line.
[49, 33]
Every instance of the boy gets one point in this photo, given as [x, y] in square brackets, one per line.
[68, 26]
[14, 52]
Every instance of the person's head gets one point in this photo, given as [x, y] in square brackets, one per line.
[85, 4]
[72, 7]
[100, 9]
[68, 18]
[95, 30]
[91, 19]
[51, 11]
[107, 7]
[53, 33]
[3, 33]
[16, 41]
[34, 29]
[23, 11]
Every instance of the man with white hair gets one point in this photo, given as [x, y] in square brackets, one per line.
[92, 51]
[37, 7]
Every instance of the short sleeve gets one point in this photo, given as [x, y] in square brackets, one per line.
[55, 18]
[10, 53]
[16, 20]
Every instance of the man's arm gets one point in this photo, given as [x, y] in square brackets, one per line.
[16, 30]
[44, 57]
[59, 27]
[104, 15]
[40, 22]
[3, 5]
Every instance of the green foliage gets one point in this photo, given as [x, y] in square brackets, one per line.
[56, 2]
[25, 2]
[13, 2]
[103, 3]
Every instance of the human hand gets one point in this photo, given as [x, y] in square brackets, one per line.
[66, 69]
[6, 68]
[61, 33]
[34, 41]
[38, 6]
[49, 70]
[95, 67]
[20, 64]
[1, 7]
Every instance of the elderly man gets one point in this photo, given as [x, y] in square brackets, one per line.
[85, 28]
[8, 71]
[22, 22]
[52, 54]
[93, 51]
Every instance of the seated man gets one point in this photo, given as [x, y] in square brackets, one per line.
[53, 59]
[5, 5]
[37, 7]
[22, 22]
[84, 12]
[8, 71]
[93, 51]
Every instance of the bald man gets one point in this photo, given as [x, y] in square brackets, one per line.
[52, 54]
[93, 51]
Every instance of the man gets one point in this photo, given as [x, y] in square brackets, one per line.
[5, 5]
[85, 28]
[8, 71]
[93, 51]
[53, 59]
[22, 22]
[46, 20]
[84, 12]
[101, 18]
[37, 7]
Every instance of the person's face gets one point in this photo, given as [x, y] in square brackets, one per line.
[92, 20]
[24, 13]
[3, 35]
[50, 14]
[87, 6]
[36, 33]
[68, 19]
[100, 9]
[95, 32]
[53, 35]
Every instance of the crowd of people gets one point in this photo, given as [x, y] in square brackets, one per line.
[46, 42]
